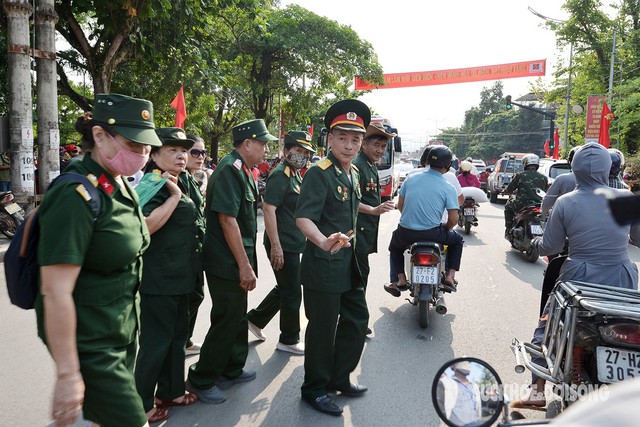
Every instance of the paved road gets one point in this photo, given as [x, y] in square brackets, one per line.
[497, 300]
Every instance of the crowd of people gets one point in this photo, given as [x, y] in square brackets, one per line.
[119, 326]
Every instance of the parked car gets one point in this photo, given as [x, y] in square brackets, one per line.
[508, 165]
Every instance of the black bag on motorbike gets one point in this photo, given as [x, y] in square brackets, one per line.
[21, 267]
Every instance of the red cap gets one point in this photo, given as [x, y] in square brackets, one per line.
[71, 147]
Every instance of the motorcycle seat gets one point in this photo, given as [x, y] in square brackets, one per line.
[439, 247]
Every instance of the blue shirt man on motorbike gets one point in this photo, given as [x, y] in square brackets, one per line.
[422, 200]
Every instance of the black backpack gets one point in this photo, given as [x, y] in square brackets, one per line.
[21, 267]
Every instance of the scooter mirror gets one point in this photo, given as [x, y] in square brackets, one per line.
[467, 392]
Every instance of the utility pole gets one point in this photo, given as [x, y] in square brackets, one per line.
[20, 100]
[565, 142]
[48, 132]
[613, 59]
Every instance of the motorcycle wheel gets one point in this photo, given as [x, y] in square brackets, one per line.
[554, 408]
[423, 313]
[8, 225]
[493, 197]
[467, 228]
[532, 255]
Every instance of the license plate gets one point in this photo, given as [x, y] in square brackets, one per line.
[425, 275]
[536, 229]
[12, 208]
[615, 364]
[469, 211]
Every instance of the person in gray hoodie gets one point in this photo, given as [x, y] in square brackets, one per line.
[598, 246]
[561, 185]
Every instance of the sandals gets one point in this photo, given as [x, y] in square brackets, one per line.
[449, 285]
[187, 400]
[159, 415]
[392, 289]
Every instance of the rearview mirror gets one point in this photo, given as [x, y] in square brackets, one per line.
[467, 392]
[397, 144]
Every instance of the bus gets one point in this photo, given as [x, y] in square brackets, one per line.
[387, 173]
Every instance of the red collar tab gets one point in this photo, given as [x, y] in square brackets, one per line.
[106, 185]
[349, 118]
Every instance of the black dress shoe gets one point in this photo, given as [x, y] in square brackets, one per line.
[324, 404]
[352, 390]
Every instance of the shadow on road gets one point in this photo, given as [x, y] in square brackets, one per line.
[516, 264]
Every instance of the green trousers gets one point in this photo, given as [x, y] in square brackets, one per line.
[164, 327]
[110, 397]
[285, 297]
[225, 348]
[195, 300]
[363, 263]
[334, 338]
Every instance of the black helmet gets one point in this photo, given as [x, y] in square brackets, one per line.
[571, 154]
[440, 157]
[617, 161]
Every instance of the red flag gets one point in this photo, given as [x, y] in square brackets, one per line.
[556, 145]
[546, 147]
[605, 122]
[180, 107]
[311, 130]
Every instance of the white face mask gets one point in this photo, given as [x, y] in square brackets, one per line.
[296, 160]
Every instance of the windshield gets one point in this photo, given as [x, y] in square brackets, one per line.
[512, 165]
[557, 171]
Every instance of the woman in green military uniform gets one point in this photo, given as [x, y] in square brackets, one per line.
[91, 270]
[284, 244]
[171, 267]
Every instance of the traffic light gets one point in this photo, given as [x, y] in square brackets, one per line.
[508, 102]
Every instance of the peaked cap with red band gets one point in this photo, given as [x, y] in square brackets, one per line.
[348, 114]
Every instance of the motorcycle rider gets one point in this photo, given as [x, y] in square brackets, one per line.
[422, 199]
[561, 185]
[466, 177]
[525, 183]
[572, 218]
[617, 164]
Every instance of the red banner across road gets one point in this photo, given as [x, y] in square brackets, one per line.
[459, 75]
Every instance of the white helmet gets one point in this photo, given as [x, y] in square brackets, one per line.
[530, 160]
[466, 166]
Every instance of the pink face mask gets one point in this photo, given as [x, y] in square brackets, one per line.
[126, 162]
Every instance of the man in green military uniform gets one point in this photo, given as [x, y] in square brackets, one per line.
[230, 263]
[327, 214]
[525, 183]
[373, 148]
[284, 243]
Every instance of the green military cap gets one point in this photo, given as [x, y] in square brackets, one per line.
[174, 136]
[130, 117]
[253, 129]
[348, 114]
[299, 138]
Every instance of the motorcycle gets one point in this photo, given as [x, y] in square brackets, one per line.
[467, 216]
[592, 338]
[426, 263]
[527, 225]
[11, 214]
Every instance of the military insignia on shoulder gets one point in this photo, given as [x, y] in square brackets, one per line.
[324, 163]
[238, 164]
[82, 190]
[93, 179]
[287, 171]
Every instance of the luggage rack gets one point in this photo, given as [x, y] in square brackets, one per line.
[566, 302]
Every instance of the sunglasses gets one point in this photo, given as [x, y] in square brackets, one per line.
[198, 153]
